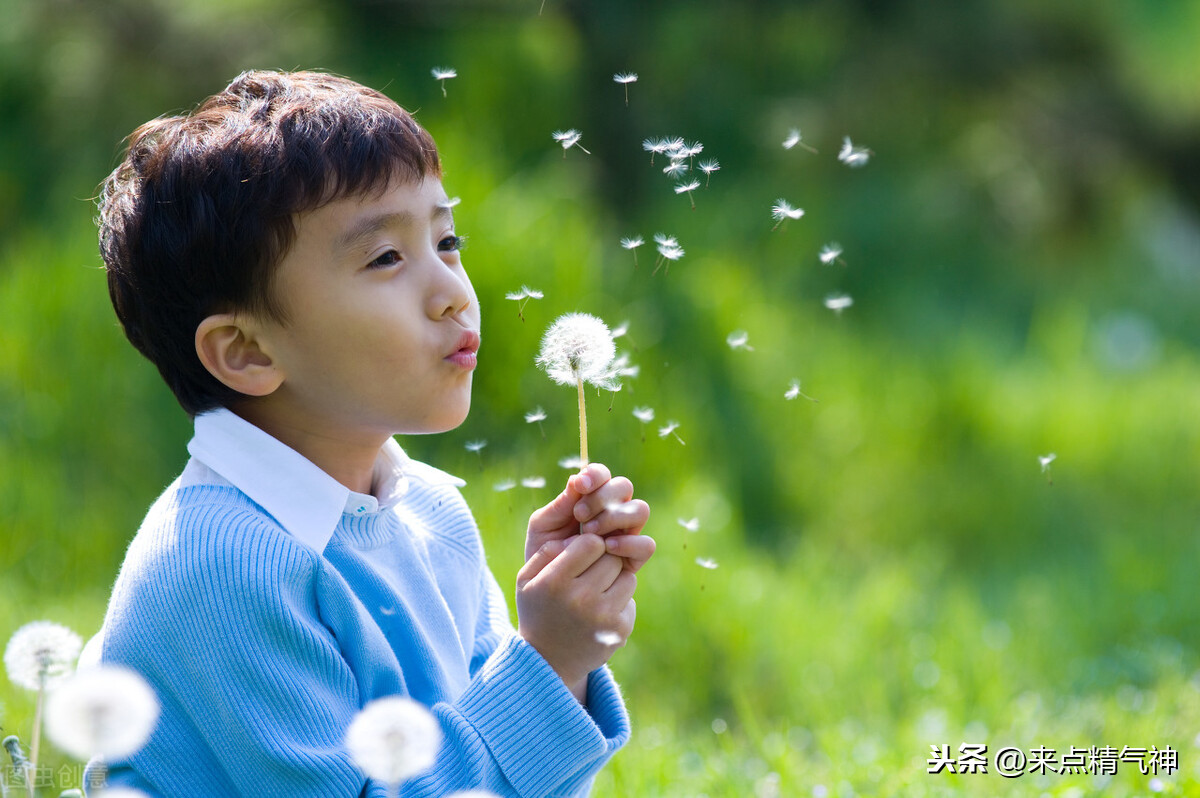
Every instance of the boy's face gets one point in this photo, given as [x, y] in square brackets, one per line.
[382, 318]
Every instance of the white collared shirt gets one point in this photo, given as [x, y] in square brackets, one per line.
[307, 502]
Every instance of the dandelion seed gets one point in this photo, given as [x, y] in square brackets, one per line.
[393, 739]
[675, 168]
[442, 75]
[793, 139]
[831, 252]
[739, 339]
[578, 348]
[838, 302]
[655, 147]
[620, 330]
[522, 297]
[606, 638]
[571, 463]
[668, 250]
[625, 78]
[794, 390]
[782, 210]
[505, 485]
[632, 244]
[475, 446]
[1045, 460]
[106, 711]
[533, 482]
[452, 202]
[537, 416]
[690, 524]
[688, 188]
[852, 156]
[706, 563]
[708, 167]
[669, 429]
[644, 414]
[569, 139]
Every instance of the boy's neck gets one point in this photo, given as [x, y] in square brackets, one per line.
[350, 462]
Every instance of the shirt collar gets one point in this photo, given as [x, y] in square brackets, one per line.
[305, 500]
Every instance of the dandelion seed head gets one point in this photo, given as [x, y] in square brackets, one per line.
[782, 209]
[41, 653]
[830, 252]
[632, 243]
[644, 414]
[535, 415]
[690, 524]
[577, 346]
[625, 77]
[664, 240]
[475, 446]
[107, 711]
[671, 253]
[533, 482]
[444, 73]
[517, 295]
[838, 302]
[683, 188]
[705, 562]
[393, 739]
[708, 167]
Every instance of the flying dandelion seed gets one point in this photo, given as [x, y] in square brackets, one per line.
[690, 524]
[393, 739]
[675, 168]
[669, 429]
[668, 250]
[571, 462]
[782, 210]
[534, 483]
[569, 139]
[838, 302]
[632, 245]
[442, 74]
[578, 348]
[522, 297]
[831, 252]
[625, 78]
[105, 711]
[793, 139]
[537, 416]
[794, 390]
[1045, 460]
[852, 156]
[475, 446]
[706, 563]
[504, 485]
[688, 188]
[708, 167]
[620, 330]
[645, 415]
[655, 147]
[608, 638]
[739, 339]
[450, 203]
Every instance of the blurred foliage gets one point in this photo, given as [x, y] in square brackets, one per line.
[1022, 254]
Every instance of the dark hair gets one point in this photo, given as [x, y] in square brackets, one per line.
[201, 210]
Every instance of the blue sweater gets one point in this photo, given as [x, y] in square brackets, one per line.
[262, 648]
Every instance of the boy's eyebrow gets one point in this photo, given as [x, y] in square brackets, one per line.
[368, 226]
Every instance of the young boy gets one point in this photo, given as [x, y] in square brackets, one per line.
[285, 255]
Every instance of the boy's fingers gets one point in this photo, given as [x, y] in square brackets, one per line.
[538, 561]
[592, 476]
[578, 554]
[616, 491]
[558, 513]
[604, 572]
[635, 549]
[628, 517]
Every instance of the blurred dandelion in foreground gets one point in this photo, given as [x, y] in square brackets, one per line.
[688, 188]
[569, 139]
[632, 245]
[708, 167]
[393, 739]
[706, 563]
[442, 74]
[669, 429]
[852, 156]
[522, 297]
[690, 524]
[106, 711]
[782, 210]
[1045, 460]
[40, 656]
[625, 78]
[794, 390]
[739, 339]
[831, 252]
[578, 348]
[533, 482]
[793, 139]
[838, 302]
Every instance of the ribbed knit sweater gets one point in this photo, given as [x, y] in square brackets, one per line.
[261, 650]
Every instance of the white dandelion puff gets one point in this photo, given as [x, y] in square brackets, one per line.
[783, 210]
[853, 156]
[794, 390]
[669, 429]
[632, 243]
[625, 78]
[688, 188]
[41, 654]
[442, 74]
[504, 485]
[739, 339]
[393, 739]
[578, 348]
[105, 711]
[569, 139]
[706, 563]
[793, 139]
[690, 524]
[571, 462]
[708, 167]
[831, 252]
[533, 482]
[838, 302]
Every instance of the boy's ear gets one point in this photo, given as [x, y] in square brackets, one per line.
[228, 346]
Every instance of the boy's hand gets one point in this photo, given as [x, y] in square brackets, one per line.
[597, 503]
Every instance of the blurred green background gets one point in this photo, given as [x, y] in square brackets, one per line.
[895, 569]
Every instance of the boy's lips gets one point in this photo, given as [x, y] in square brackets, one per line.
[464, 356]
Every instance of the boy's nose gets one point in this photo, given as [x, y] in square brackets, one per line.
[454, 293]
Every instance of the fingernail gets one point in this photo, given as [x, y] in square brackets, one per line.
[611, 543]
[590, 527]
[585, 482]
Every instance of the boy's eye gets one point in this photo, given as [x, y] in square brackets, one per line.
[389, 258]
[452, 243]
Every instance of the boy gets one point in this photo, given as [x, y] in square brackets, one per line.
[286, 256]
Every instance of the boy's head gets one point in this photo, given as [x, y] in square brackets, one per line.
[201, 211]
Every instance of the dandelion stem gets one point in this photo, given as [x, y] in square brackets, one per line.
[583, 449]
[35, 736]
